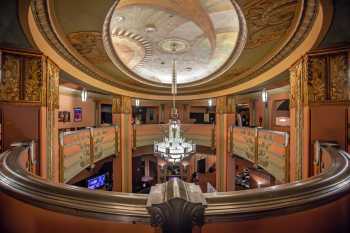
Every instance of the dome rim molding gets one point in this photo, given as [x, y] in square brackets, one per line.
[241, 42]
[62, 56]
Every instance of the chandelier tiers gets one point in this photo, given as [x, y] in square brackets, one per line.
[174, 148]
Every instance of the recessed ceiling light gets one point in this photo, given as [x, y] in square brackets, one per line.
[150, 28]
[188, 68]
[119, 18]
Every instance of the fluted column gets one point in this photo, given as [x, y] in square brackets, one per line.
[121, 110]
[225, 118]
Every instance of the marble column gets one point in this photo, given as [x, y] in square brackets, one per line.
[121, 110]
[225, 118]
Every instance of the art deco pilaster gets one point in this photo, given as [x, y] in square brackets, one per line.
[297, 113]
[225, 118]
[122, 117]
[176, 206]
[50, 111]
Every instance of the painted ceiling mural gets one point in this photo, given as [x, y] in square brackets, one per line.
[213, 54]
[205, 33]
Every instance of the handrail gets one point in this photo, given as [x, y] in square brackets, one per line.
[121, 207]
[284, 198]
[131, 208]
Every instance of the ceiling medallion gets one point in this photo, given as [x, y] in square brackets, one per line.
[167, 45]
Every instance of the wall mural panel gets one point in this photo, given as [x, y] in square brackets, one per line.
[82, 149]
[104, 142]
[75, 153]
[244, 143]
[273, 153]
[268, 20]
[89, 45]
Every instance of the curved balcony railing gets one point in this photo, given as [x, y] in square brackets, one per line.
[330, 189]
[333, 183]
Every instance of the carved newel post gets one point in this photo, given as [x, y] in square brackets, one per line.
[176, 206]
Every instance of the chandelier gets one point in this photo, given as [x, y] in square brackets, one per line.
[174, 148]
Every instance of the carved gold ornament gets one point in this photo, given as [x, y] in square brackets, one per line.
[121, 104]
[338, 66]
[33, 80]
[10, 80]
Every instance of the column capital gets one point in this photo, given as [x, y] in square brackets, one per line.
[226, 104]
[121, 104]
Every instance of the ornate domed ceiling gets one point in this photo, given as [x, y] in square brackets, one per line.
[223, 45]
[142, 33]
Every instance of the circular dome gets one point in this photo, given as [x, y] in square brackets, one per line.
[205, 32]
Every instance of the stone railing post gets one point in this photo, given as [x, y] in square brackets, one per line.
[176, 206]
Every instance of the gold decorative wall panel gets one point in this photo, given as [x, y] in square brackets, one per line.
[317, 80]
[339, 71]
[33, 79]
[10, 78]
[327, 77]
[21, 77]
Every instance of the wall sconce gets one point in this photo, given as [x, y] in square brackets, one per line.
[162, 164]
[137, 102]
[84, 95]
[210, 102]
[264, 95]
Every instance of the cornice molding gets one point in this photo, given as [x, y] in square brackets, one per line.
[310, 9]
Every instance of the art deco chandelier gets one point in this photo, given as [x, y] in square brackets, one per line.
[174, 148]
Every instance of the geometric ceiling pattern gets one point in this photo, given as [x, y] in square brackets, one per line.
[126, 43]
[203, 41]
